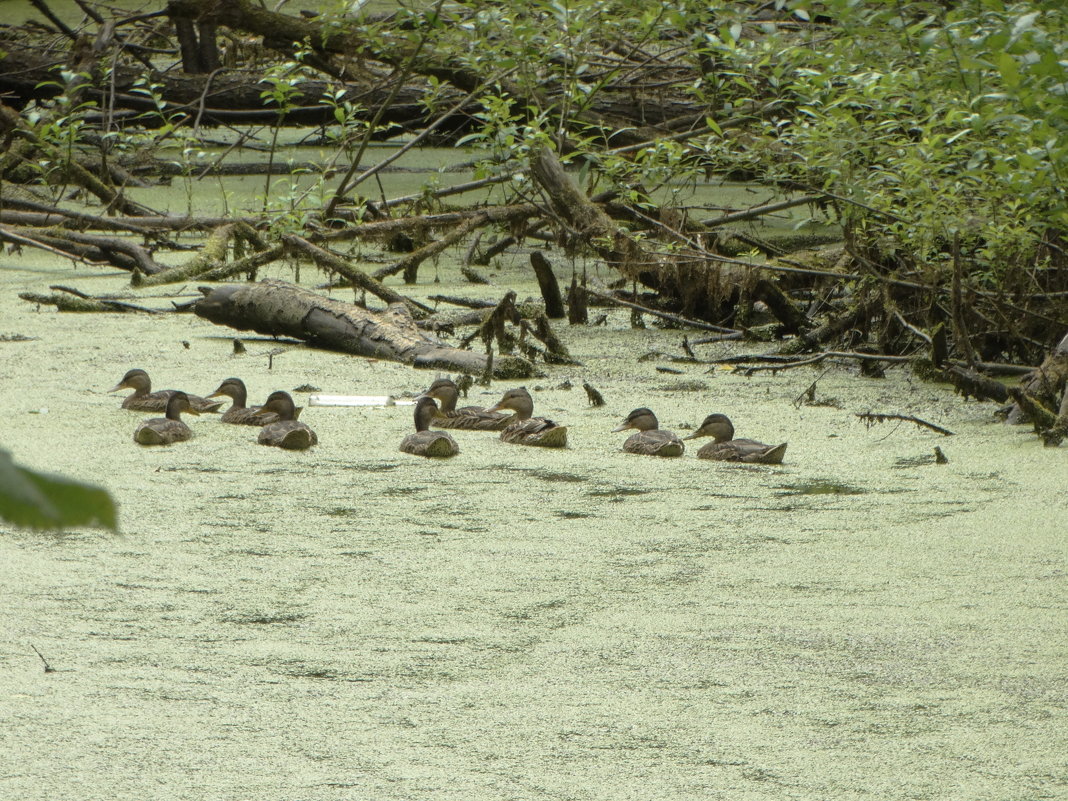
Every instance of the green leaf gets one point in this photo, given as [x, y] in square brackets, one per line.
[1010, 73]
[41, 501]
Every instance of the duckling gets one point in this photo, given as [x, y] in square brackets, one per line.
[165, 430]
[286, 432]
[472, 418]
[145, 400]
[238, 413]
[725, 448]
[522, 429]
[425, 442]
[651, 440]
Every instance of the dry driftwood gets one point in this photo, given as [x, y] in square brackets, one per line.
[278, 308]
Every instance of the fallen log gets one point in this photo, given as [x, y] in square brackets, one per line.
[78, 302]
[360, 280]
[278, 308]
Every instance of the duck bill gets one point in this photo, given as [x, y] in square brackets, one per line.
[215, 394]
[191, 410]
[117, 387]
[694, 435]
[623, 427]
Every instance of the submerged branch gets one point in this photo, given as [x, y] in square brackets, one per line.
[872, 418]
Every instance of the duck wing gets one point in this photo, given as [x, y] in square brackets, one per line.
[289, 434]
[654, 443]
[434, 444]
[538, 431]
[472, 418]
[161, 431]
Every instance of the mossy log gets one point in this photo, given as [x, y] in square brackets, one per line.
[278, 308]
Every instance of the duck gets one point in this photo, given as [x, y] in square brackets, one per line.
[286, 432]
[239, 413]
[424, 442]
[651, 440]
[470, 418]
[522, 428]
[165, 430]
[725, 448]
[145, 400]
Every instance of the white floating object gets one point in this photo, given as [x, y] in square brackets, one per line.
[351, 400]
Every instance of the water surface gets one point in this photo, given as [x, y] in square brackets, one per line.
[353, 622]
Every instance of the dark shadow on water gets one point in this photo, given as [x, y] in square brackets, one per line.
[617, 493]
[819, 487]
[264, 620]
[309, 672]
[552, 476]
[402, 492]
[372, 467]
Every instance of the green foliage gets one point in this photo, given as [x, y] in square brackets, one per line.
[40, 501]
[931, 124]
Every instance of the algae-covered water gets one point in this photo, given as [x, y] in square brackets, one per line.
[356, 623]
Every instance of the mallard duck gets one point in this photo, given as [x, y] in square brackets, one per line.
[522, 429]
[651, 440]
[471, 418]
[145, 400]
[425, 442]
[238, 413]
[165, 430]
[725, 448]
[286, 432]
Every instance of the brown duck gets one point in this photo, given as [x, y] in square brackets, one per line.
[725, 448]
[651, 440]
[471, 418]
[522, 428]
[239, 413]
[286, 432]
[425, 442]
[165, 430]
[145, 400]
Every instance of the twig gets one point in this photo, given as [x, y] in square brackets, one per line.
[758, 211]
[703, 326]
[871, 418]
[47, 667]
[809, 395]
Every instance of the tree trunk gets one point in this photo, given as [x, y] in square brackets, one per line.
[278, 308]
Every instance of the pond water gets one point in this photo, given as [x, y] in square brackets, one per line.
[353, 623]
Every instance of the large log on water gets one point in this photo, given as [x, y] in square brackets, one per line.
[278, 308]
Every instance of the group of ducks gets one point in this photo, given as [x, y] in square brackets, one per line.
[277, 417]
[280, 427]
[522, 428]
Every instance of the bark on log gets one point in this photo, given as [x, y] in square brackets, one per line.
[278, 308]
